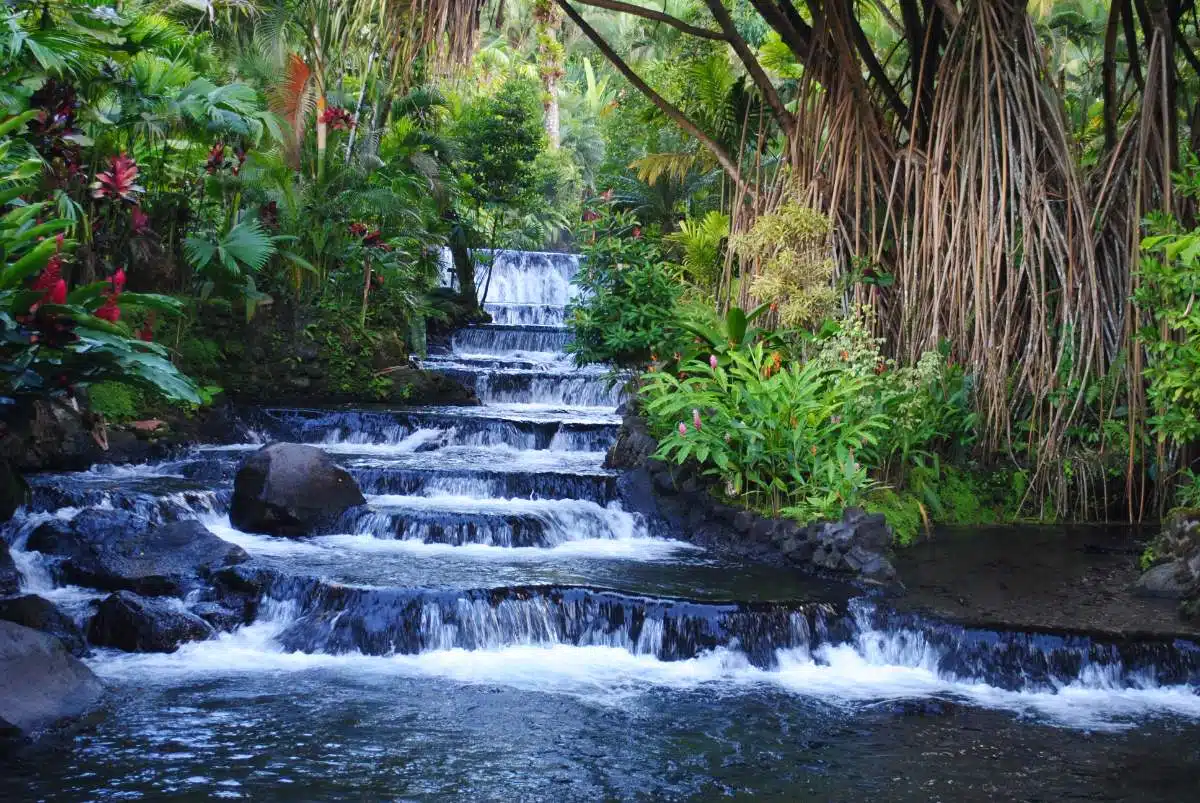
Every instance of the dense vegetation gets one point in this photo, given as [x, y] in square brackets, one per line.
[935, 257]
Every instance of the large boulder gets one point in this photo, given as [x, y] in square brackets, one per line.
[10, 578]
[136, 624]
[42, 686]
[291, 489]
[39, 613]
[168, 560]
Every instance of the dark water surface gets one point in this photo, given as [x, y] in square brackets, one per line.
[346, 734]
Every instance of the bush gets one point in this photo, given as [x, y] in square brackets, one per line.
[808, 438]
[627, 309]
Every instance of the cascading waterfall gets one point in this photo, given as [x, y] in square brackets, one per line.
[494, 549]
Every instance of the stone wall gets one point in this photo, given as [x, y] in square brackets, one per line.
[679, 498]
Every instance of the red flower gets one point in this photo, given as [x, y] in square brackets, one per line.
[118, 182]
[240, 152]
[358, 229]
[109, 311]
[637, 232]
[118, 282]
[58, 293]
[216, 158]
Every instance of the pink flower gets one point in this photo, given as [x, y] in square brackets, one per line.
[682, 428]
[712, 361]
[696, 419]
[118, 281]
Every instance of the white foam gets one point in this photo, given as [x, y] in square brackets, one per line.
[611, 675]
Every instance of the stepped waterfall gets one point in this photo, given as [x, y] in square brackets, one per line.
[499, 623]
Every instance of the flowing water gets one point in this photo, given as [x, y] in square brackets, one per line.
[496, 625]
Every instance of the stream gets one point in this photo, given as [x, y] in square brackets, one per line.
[496, 625]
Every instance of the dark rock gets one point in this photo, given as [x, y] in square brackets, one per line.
[1167, 580]
[42, 686]
[136, 624]
[291, 489]
[39, 613]
[14, 491]
[10, 578]
[664, 482]
[413, 385]
[633, 447]
[879, 569]
[240, 588]
[766, 531]
[111, 551]
[217, 615]
[743, 520]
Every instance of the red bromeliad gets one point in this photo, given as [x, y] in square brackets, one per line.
[118, 183]
[337, 118]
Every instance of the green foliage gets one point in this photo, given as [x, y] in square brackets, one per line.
[781, 438]
[1167, 293]
[701, 242]
[499, 138]
[116, 401]
[625, 314]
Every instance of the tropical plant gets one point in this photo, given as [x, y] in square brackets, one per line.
[780, 438]
[701, 241]
[54, 341]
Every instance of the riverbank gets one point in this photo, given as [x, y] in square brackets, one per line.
[1074, 578]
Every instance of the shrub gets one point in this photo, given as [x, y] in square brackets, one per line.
[784, 438]
[792, 249]
[626, 312]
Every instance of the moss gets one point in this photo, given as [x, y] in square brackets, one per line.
[116, 401]
[902, 511]
[201, 355]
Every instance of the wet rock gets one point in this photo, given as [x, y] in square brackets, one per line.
[42, 686]
[240, 588]
[217, 615]
[413, 385]
[1167, 580]
[97, 551]
[292, 490]
[633, 446]
[10, 578]
[137, 624]
[14, 491]
[39, 613]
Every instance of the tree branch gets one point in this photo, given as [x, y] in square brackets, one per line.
[722, 156]
[867, 53]
[759, 76]
[658, 16]
[953, 15]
